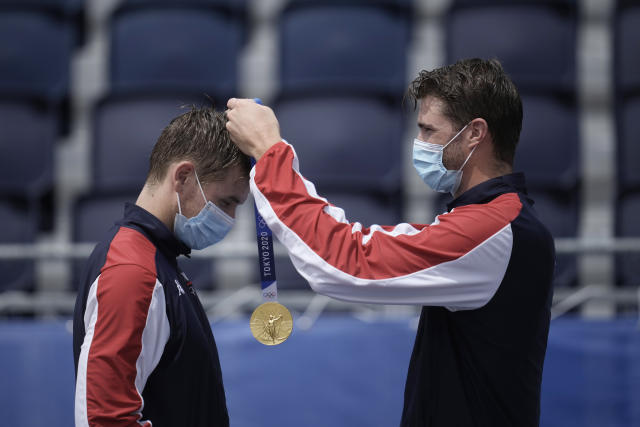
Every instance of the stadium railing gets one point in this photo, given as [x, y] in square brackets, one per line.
[228, 302]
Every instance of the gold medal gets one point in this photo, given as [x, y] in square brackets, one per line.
[271, 323]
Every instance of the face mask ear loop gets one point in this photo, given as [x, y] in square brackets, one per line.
[455, 136]
[200, 186]
[468, 157]
[179, 209]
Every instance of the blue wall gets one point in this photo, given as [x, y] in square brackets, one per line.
[343, 372]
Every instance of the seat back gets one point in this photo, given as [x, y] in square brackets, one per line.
[347, 143]
[548, 150]
[559, 212]
[189, 46]
[628, 225]
[628, 144]
[125, 130]
[342, 46]
[29, 40]
[27, 142]
[17, 225]
[535, 59]
[627, 88]
[626, 45]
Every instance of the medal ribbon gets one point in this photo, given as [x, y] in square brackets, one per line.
[266, 258]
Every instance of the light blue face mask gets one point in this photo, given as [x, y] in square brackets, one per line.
[205, 229]
[427, 159]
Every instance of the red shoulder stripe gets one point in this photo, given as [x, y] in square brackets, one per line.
[124, 292]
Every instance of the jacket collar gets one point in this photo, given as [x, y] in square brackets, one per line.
[490, 189]
[154, 229]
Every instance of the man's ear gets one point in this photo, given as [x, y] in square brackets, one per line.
[479, 131]
[181, 174]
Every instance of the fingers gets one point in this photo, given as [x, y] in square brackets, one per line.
[235, 102]
[252, 127]
[228, 125]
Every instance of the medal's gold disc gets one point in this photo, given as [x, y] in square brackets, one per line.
[271, 323]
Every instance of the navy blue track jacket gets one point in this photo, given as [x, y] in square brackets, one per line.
[483, 367]
[143, 347]
[482, 272]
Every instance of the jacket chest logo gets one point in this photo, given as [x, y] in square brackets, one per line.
[179, 287]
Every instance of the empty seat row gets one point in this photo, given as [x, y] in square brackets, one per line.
[342, 72]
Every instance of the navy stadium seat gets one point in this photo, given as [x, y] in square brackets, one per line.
[71, 11]
[535, 41]
[17, 225]
[35, 55]
[125, 130]
[343, 46]
[95, 214]
[628, 225]
[37, 38]
[627, 85]
[27, 141]
[548, 150]
[68, 8]
[627, 88]
[628, 153]
[180, 46]
[93, 217]
[627, 45]
[559, 211]
[347, 143]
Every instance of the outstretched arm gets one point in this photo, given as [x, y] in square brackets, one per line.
[457, 262]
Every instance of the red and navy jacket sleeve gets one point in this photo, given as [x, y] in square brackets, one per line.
[458, 261]
[126, 330]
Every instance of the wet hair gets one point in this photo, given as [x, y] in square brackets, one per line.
[476, 88]
[199, 135]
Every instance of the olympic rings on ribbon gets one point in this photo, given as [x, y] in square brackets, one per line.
[269, 294]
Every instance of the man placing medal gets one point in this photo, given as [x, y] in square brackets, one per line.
[482, 271]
